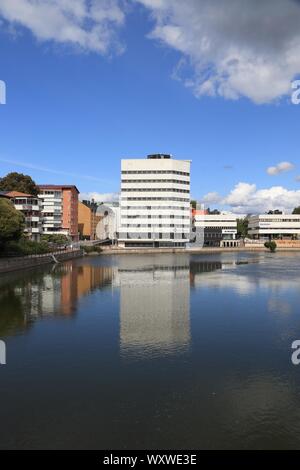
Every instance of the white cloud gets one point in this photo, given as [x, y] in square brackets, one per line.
[280, 168]
[100, 197]
[245, 198]
[88, 24]
[234, 47]
[212, 198]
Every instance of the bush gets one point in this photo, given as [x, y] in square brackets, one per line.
[55, 238]
[26, 247]
[271, 246]
[91, 249]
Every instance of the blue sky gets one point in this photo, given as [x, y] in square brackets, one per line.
[75, 112]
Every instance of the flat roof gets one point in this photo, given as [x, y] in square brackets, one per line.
[58, 186]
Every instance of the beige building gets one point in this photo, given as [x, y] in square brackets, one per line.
[88, 220]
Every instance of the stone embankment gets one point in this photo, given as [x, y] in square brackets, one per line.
[24, 262]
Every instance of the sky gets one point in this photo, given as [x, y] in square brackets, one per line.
[89, 82]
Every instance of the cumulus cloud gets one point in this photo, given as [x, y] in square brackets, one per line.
[245, 198]
[234, 48]
[280, 168]
[212, 198]
[100, 197]
[88, 24]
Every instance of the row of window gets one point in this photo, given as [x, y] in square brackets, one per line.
[156, 190]
[155, 172]
[167, 216]
[154, 236]
[155, 181]
[153, 225]
[278, 220]
[270, 229]
[174, 199]
[157, 208]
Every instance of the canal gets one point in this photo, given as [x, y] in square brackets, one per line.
[152, 352]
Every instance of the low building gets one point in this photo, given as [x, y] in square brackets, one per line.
[88, 220]
[59, 206]
[30, 208]
[274, 226]
[219, 230]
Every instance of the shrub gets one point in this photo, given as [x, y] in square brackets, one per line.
[271, 246]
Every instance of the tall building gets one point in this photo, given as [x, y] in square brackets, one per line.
[30, 208]
[274, 226]
[59, 206]
[155, 202]
[88, 220]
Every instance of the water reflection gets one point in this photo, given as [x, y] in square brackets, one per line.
[24, 297]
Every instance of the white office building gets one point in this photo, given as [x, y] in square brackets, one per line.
[274, 226]
[155, 202]
[219, 230]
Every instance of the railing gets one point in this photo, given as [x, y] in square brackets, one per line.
[12, 257]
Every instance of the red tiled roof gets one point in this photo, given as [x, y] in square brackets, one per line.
[12, 194]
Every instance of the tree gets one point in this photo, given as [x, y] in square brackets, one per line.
[18, 182]
[58, 239]
[11, 222]
[194, 204]
[242, 227]
[296, 210]
[271, 245]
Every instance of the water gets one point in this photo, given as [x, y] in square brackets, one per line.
[152, 352]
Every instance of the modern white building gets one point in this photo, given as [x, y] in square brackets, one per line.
[155, 202]
[274, 226]
[218, 229]
[109, 222]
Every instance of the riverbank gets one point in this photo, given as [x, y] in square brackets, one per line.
[25, 262]
[143, 251]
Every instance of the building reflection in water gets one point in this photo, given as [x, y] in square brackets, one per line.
[24, 297]
[154, 305]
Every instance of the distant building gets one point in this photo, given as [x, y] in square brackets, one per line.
[59, 206]
[155, 202]
[219, 230]
[274, 226]
[88, 220]
[29, 206]
[109, 224]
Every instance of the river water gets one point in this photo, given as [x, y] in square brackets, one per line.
[152, 352]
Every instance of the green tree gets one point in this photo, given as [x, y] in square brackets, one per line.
[296, 210]
[58, 239]
[242, 227]
[18, 182]
[194, 204]
[271, 245]
[11, 222]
